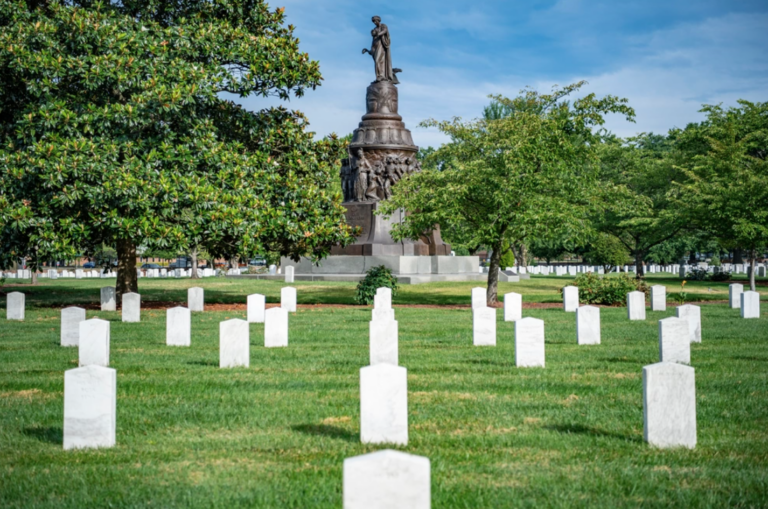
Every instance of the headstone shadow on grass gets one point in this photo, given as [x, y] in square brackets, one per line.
[50, 434]
[204, 363]
[327, 431]
[580, 429]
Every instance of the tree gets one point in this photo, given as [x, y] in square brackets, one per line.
[725, 190]
[636, 176]
[114, 129]
[606, 250]
[531, 171]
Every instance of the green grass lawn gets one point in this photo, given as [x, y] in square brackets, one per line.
[275, 435]
[69, 292]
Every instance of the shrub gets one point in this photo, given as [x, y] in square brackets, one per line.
[375, 278]
[594, 289]
[697, 274]
[720, 276]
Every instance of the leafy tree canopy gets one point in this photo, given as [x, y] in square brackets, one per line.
[114, 129]
[531, 171]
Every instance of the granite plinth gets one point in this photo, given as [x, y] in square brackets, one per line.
[376, 238]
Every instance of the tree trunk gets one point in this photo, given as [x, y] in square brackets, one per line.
[692, 257]
[193, 255]
[491, 295]
[752, 259]
[639, 267]
[127, 280]
[34, 266]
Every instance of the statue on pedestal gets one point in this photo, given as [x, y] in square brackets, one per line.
[380, 154]
[382, 57]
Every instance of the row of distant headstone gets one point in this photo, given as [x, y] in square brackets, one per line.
[574, 270]
[735, 268]
[149, 273]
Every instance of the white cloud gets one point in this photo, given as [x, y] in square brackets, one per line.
[666, 75]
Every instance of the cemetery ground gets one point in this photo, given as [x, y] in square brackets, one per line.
[275, 435]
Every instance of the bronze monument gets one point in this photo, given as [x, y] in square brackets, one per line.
[380, 154]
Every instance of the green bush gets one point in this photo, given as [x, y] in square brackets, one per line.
[594, 289]
[720, 276]
[375, 278]
[697, 274]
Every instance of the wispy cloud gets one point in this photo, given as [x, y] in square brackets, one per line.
[667, 58]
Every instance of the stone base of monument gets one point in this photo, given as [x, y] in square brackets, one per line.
[375, 238]
[407, 269]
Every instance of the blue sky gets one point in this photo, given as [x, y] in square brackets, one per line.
[666, 57]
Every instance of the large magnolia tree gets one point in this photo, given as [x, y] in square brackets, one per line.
[114, 129]
[527, 174]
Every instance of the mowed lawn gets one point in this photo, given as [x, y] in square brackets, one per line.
[275, 435]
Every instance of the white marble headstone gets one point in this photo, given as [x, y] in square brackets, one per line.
[234, 344]
[178, 326]
[570, 298]
[288, 298]
[658, 298]
[276, 327]
[734, 295]
[14, 306]
[289, 273]
[750, 305]
[383, 342]
[478, 297]
[513, 306]
[382, 314]
[588, 325]
[384, 404]
[484, 326]
[674, 340]
[196, 299]
[256, 308]
[693, 315]
[669, 405]
[90, 407]
[94, 343]
[529, 343]
[108, 302]
[70, 325]
[383, 298]
[131, 307]
[387, 479]
[636, 305]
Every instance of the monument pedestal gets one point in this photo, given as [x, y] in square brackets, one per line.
[407, 269]
[376, 237]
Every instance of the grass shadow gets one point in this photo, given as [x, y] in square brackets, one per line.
[580, 429]
[204, 363]
[51, 434]
[327, 431]
[749, 358]
[623, 359]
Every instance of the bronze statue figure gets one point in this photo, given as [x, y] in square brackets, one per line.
[380, 51]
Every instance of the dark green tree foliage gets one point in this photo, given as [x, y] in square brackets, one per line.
[725, 190]
[636, 176]
[113, 129]
[375, 278]
[606, 250]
